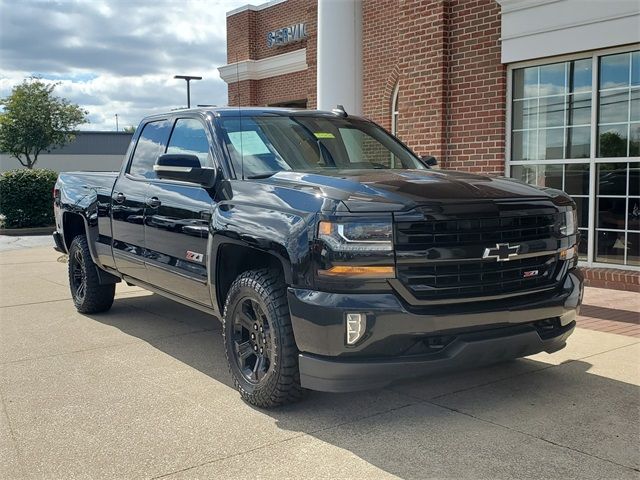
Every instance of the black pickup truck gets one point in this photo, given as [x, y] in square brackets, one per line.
[336, 258]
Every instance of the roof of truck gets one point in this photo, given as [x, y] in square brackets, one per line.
[256, 111]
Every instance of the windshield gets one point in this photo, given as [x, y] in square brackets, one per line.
[262, 145]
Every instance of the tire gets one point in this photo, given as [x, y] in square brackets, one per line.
[88, 295]
[265, 368]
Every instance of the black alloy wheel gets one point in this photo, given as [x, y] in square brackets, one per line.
[258, 340]
[88, 294]
[252, 343]
[78, 276]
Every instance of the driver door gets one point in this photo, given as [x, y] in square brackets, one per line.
[177, 220]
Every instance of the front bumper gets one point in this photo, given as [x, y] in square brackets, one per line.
[395, 344]
[470, 350]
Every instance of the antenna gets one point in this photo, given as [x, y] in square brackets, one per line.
[339, 110]
[240, 117]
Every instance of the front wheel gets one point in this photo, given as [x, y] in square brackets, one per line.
[258, 340]
[89, 296]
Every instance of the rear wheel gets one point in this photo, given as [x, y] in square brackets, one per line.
[89, 296]
[258, 339]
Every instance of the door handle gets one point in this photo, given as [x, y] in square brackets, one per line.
[154, 202]
[119, 197]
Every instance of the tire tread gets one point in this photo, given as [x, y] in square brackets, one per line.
[98, 298]
[284, 387]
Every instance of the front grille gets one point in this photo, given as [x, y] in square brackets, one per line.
[435, 281]
[442, 259]
[451, 233]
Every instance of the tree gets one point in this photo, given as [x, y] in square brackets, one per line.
[129, 129]
[612, 144]
[35, 120]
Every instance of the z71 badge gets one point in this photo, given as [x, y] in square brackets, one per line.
[194, 256]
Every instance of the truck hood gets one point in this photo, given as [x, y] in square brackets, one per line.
[388, 190]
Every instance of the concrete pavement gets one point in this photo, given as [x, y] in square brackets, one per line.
[143, 391]
[8, 243]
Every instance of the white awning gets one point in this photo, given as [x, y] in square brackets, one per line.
[543, 28]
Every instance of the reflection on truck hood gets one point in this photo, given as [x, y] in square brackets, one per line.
[388, 190]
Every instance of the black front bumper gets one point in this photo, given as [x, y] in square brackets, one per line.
[472, 335]
[470, 350]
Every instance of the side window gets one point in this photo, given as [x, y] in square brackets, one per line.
[189, 137]
[151, 144]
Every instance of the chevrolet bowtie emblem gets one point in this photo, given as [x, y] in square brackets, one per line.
[502, 253]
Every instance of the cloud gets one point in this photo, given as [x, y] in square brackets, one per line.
[117, 56]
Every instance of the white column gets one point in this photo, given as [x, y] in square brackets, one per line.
[340, 55]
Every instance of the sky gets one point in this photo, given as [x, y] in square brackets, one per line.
[117, 57]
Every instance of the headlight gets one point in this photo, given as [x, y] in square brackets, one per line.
[357, 236]
[569, 223]
[356, 249]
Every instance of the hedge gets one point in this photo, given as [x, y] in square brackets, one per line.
[26, 198]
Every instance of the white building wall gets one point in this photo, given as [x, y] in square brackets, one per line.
[66, 163]
[542, 28]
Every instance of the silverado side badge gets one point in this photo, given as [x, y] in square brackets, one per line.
[194, 256]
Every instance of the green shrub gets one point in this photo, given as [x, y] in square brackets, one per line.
[26, 198]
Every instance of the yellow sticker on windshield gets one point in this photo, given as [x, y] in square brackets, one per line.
[324, 135]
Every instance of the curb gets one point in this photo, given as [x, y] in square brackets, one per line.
[21, 232]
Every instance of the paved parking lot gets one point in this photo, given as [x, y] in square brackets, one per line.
[143, 392]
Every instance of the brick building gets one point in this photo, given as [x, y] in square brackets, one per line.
[547, 91]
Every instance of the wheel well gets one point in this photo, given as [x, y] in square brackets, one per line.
[72, 226]
[236, 259]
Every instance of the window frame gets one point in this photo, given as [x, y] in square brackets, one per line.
[136, 141]
[593, 161]
[395, 113]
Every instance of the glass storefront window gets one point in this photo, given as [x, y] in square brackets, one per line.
[553, 123]
[551, 111]
[572, 178]
[618, 106]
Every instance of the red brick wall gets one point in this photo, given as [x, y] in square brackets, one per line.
[282, 88]
[241, 36]
[445, 57]
[247, 39]
[476, 88]
[423, 72]
[243, 93]
[443, 54]
[381, 37]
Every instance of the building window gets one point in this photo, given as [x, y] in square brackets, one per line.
[618, 201]
[552, 111]
[394, 110]
[558, 140]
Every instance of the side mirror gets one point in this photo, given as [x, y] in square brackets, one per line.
[430, 161]
[185, 168]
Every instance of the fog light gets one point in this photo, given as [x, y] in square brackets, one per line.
[356, 325]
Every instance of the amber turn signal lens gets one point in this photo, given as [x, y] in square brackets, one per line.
[325, 228]
[359, 271]
[568, 254]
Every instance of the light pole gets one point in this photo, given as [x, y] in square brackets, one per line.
[117, 129]
[188, 78]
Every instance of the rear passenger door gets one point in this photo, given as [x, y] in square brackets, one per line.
[177, 220]
[128, 199]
